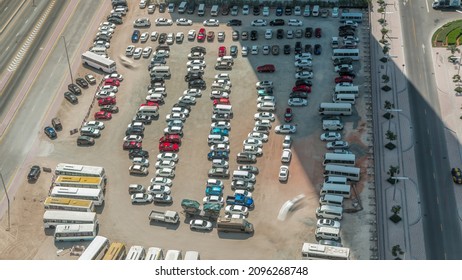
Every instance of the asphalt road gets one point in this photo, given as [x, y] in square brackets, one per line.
[441, 224]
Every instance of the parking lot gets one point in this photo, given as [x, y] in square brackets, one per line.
[273, 239]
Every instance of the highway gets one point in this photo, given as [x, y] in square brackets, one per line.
[443, 237]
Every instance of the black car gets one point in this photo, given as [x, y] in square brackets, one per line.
[225, 10]
[163, 47]
[298, 94]
[256, 10]
[308, 48]
[347, 73]
[162, 38]
[71, 97]
[456, 175]
[182, 105]
[303, 83]
[253, 35]
[110, 108]
[317, 49]
[199, 49]
[133, 153]
[347, 27]
[74, 89]
[34, 173]
[275, 50]
[277, 22]
[102, 37]
[85, 141]
[199, 84]
[286, 49]
[234, 22]
[288, 10]
[162, 8]
[343, 60]
[246, 158]
[279, 11]
[344, 33]
[145, 119]
[157, 80]
[233, 51]
[308, 32]
[192, 76]
[298, 47]
[114, 20]
[245, 35]
[50, 132]
[280, 33]
[191, 7]
[81, 82]
[136, 130]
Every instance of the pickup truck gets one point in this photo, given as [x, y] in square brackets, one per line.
[240, 199]
[168, 216]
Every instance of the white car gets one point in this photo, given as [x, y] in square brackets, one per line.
[220, 163]
[351, 38]
[197, 62]
[165, 172]
[243, 192]
[259, 136]
[104, 94]
[162, 53]
[297, 102]
[245, 10]
[337, 145]
[191, 35]
[287, 142]
[142, 22]
[174, 130]
[180, 110]
[283, 173]
[214, 183]
[195, 69]
[304, 75]
[343, 67]
[221, 124]
[269, 34]
[135, 138]
[335, 12]
[138, 52]
[301, 56]
[141, 198]
[236, 209]
[265, 123]
[116, 76]
[154, 35]
[147, 52]
[222, 76]
[327, 223]
[130, 50]
[254, 50]
[194, 92]
[168, 156]
[285, 129]
[141, 161]
[136, 124]
[259, 22]
[266, 99]
[264, 116]
[163, 22]
[187, 99]
[221, 36]
[198, 224]
[137, 169]
[211, 22]
[161, 181]
[170, 39]
[235, 216]
[213, 199]
[144, 37]
[179, 123]
[106, 28]
[331, 136]
[111, 25]
[297, 11]
[104, 33]
[244, 51]
[195, 56]
[266, 49]
[156, 189]
[303, 63]
[216, 94]
[95, 124]
[109, 88]
[102, 44]
[184, 22]
[220, 148]
[294, 22]
[264, 84]
[253, 142]
[351, 23]
[252, 150]
[165, 164]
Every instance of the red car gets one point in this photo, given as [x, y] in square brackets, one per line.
[111, 82]
[132, 145]
[107, 101]
[317, 32]
[103, 115]
[288, 115]
[210, 36]
[221, 51]
[224, 101]
[266, 68]
[302, 88]
[150, 103]
[172, 138]
[343, 79]
[168, 147]
[201, 35]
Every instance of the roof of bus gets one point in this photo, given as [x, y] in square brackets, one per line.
[78, 179]
[68, 201]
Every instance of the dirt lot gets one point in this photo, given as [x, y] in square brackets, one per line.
[121, 221]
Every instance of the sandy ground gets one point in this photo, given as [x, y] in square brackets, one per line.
[120, 221]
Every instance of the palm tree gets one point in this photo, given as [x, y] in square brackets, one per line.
[392, 171]
[453, 49]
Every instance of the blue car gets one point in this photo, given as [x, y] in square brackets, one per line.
[215, 190]
[219, 131]
[136, 36]
[50, 132]
[279, 11]
[218, 155]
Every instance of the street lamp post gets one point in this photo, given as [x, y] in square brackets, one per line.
[68, 62]
[389, 119]
[395, 180]
[7, 200]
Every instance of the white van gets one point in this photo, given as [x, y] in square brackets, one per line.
[244, 176]
[149, 111]
[161, 72]
[156, 97]
[173, 255]
[328, 233]
[286, 156]
[316, 10]
[217, 139]
[214, 10]
[136, 253]
[340, 89]
[332, 125]
[336, 189]
[223, 109]
[336, 180]
[344, 98]
[226, 58]
[154, 254]
[182, 7]
[192, 256]
[329, 212]
[329, 199]
[201, 10]
[266, 106]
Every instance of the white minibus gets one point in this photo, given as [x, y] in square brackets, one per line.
[340, 159]
[352, 173]
[136, 253]
[339, 89]
[344, 98]
[336, 189]
[96, 250]
[342, 109]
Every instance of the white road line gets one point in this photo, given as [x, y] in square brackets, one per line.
[431, 154]
[434, 177]
[437, 201]
[5, 9]
[423, 48]
[426, 3]
[428, 131]
[441, 227]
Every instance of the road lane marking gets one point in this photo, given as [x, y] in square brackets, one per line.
[423, 48]
[426, 3]
[5, 9]
[437, 201]
[434, 177]
[441, 227]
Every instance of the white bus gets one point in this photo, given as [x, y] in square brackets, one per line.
[340, 159]
[336, 189]
[351, 53]
[80, 182]
[312, 251]
[96, 250]
[58, 217]
[80, 170]
[356, 17]
[94, 195]
[97, 61]
[57, 203]
[342, 109]
[75, 232]
[352, 173]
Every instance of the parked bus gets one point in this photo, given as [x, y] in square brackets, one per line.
[351, 53]
[336, 189]
[342, 109]
[80, 182]
[75, 232]
[117, 251]
[94, 195]
[312, 251]
[58, 217]
[98, 62]
[57, 203]
[96, 250]
[80, 170]
[356, 17]
[340, 159]
[352, 173]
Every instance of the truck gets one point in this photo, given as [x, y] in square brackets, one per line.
[446, 4]
[168, 216]
[240, 199]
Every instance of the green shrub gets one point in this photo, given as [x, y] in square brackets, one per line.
[453, 36]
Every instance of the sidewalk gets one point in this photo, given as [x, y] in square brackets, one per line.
[408, 233]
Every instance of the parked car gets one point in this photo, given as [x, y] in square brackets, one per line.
[34, 173]
[69, 96]
[199, 224]
[283, 173]
[337, 145]
[266, 68]
[285, 129]
[50, 132]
